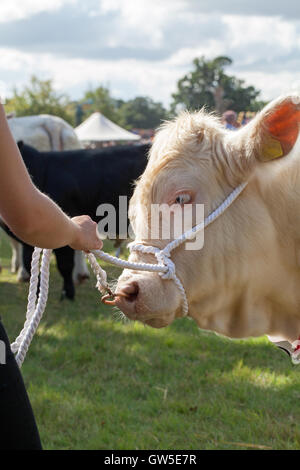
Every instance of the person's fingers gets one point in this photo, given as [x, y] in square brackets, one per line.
[87, 235]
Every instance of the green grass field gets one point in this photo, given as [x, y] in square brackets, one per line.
[99, 382]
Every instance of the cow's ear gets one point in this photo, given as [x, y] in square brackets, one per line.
[20, 144]
[277, 129]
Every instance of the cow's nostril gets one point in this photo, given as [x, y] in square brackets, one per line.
[129, 291]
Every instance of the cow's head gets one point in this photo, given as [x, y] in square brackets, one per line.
[234, 283]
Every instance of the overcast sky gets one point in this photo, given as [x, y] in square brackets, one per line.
[142, 47]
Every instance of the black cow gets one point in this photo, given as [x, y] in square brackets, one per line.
[79, 181]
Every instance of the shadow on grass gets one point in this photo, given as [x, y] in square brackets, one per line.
[87, 317]
[189, 389]
[98, 382]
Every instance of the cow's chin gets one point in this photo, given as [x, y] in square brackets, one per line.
[158, 322]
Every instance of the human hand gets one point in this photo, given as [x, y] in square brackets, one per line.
[86, 237]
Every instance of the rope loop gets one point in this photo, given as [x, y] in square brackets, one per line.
[36, 303]
[164, 259]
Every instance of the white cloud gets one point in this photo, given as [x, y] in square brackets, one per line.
[263, 31]
[143, 17]
[272, 84]
[184, 57]
[169, 30]
[14, 60]
[125, 78]
[11, 10]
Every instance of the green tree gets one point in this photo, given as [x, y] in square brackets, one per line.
[208, 85]
[100, 100]
[141, 113]
[39, 97]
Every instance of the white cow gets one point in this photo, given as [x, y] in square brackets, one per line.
[45, 133]
[245, 280]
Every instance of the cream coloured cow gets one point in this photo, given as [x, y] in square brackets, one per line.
[245, 281]
[45, 133]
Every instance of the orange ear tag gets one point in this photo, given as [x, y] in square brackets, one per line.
[271, 150]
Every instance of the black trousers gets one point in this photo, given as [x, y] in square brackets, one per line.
[18, 430]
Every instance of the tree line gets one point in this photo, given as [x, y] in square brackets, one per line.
[206, 85]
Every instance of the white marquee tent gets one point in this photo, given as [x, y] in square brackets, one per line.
[97, 128]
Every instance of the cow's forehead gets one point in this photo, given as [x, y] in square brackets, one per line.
[185, 135]
[190, 137]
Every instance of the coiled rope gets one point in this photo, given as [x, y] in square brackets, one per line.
[165, 267]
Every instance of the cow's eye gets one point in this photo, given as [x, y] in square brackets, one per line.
[182, 199]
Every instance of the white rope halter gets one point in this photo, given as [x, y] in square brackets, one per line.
[165, 267]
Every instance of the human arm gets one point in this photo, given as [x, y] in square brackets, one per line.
[31, 215]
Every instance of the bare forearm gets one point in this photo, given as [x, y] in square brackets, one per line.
[31, 215]
[43, 224]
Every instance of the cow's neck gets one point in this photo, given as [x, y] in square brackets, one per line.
[246, 313]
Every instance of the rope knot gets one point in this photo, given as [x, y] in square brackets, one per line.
[164, 259]
[162, 256]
